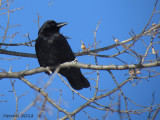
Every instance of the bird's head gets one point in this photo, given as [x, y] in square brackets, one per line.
[50, 27]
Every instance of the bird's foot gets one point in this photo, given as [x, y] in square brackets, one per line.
[49, 70]
[75, 60]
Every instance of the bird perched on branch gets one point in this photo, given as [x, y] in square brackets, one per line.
[53, 49]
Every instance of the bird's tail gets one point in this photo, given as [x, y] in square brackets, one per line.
[78, 83]
[75, 78]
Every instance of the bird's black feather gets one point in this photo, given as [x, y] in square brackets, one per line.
[53, 49]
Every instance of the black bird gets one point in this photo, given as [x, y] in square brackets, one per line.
[53, 49]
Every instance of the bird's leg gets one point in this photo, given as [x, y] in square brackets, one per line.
[48, 70]
[75, 60]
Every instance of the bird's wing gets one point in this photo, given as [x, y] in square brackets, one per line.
[61, 49]
[53, 50]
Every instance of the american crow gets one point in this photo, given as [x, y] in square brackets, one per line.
[53, 49]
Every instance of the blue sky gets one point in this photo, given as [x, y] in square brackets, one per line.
[117, 19]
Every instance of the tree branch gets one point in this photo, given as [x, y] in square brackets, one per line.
[96, 98]
[8, 52]
[45, 95]
[78, 65]
[88, 52]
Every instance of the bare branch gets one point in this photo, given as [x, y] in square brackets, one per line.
[78, 65]
[84, 53]
[45, 95]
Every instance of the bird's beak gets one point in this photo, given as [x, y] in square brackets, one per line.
[61, 24]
